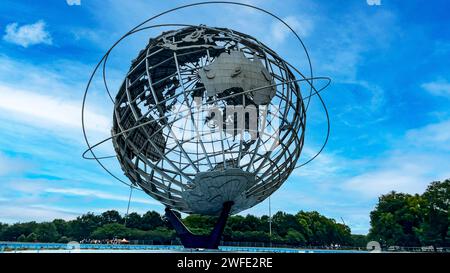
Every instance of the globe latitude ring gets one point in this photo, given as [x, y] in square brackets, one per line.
[215, 68]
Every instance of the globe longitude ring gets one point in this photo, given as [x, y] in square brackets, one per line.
[208, 115]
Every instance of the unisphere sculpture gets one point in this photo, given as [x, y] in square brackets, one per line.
[208, 115]
[208, 120]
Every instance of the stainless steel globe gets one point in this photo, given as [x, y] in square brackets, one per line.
[208, 115]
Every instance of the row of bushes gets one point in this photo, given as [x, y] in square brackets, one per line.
[303, 228]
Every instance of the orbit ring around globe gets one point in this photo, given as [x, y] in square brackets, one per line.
[207, 115]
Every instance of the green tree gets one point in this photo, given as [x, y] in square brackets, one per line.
[3, 227]
[151, 220]
[434, 230]
[236, 222]
[250, 236]
[359, 240]
[110, 231]
[64, 240]
[282, 222]
[111, 217]
[294, 237]
[83, 226]
[316, 228]
[32, 237]
[133, 220]
[304, 225]
[12, 232]
[396, 218]
[197, 221]
[299, 229]
[46, 232]
[252, 223]
[341, 234]
[160, 235]
[22, 238]
[62, 227]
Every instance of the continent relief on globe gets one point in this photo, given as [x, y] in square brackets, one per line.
[234, 70]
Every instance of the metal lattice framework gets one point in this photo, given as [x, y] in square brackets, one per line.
[198, 163]
[156, 100]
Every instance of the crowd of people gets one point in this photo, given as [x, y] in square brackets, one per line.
[114, 241]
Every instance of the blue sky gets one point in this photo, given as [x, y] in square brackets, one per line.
[388, 102]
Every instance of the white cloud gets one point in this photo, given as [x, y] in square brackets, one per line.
[302, 25]
[100, 195]
[437, 88]
[373, 2]
[21, 213]
[73, 2]
[9, 165]
[415, 160]
[338, 49]
[24, 187]
[435, 135]
[366, 101]
[49, 96]
[324, 165]
[375, 183]
[27, 35]
[48, 111]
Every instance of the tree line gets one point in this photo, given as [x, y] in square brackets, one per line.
[300, 229]
[398, 219]
[401, 219]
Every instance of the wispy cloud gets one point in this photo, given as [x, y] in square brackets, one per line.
[48, 111]
[11, 165]
[438, 88]
[397, 178]
[73, 2]
[27, 35]
[99, 194]
[327, 164]
[303, 25]
[51, 98]
[339, 46]
[20, 213]
[414, 160]
[434, 135]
